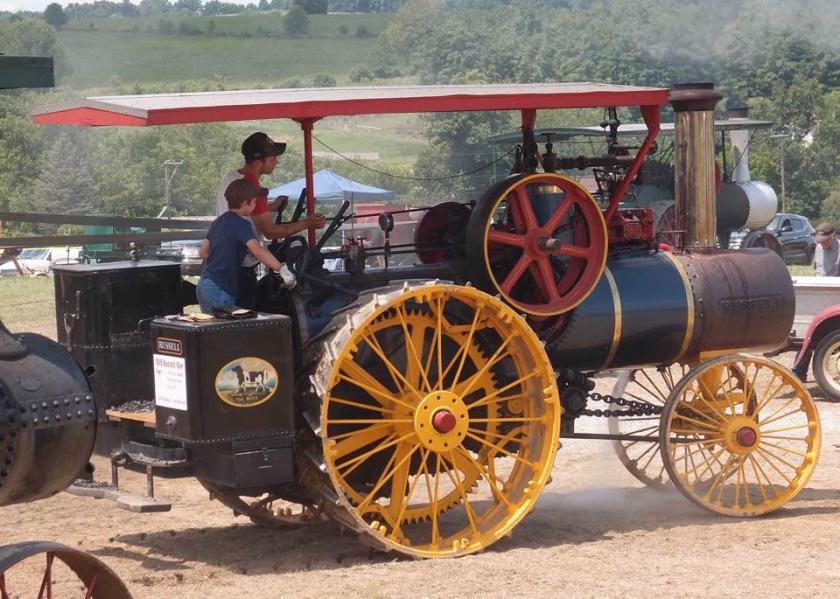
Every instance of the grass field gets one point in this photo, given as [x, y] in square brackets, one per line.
[396, 138]
[99, 59]
[28, 305]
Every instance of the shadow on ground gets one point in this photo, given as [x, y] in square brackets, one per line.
[560, 519]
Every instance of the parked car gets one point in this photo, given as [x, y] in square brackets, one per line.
[794, 232]
[183, 251]
[39, 261]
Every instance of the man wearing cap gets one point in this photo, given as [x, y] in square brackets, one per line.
[260, 152]
[826, 252]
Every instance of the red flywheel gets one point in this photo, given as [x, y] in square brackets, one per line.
[539, 240]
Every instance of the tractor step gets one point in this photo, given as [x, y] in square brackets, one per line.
[124, 499]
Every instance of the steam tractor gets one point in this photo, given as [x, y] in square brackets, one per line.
[422, 406]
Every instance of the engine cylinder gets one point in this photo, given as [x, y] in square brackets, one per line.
[658, 308]
[47, 418]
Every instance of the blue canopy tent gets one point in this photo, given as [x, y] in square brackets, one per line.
[332, 187]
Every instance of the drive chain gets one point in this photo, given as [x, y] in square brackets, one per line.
[636, 408]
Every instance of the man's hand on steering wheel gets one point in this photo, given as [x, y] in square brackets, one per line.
[317, 221]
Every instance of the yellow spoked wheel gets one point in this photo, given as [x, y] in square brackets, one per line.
[439, 419]
[740, 435]
[639, 453]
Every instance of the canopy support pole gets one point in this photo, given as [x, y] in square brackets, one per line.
[307, 125]
[650, 114]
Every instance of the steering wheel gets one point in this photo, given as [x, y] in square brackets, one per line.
[292, 250]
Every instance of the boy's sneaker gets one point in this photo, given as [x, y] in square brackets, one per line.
[289, 280]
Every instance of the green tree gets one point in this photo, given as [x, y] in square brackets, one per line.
[323, 80]
[32, 37]
[54, 15]
[66, 184]
[22, 148]
[154, 8]
[264, 5]
[312, 7]
[187, 6]
[295, 22]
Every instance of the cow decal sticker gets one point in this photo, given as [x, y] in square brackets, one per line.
[246, 382]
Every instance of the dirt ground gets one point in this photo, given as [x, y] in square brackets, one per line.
[596, 532]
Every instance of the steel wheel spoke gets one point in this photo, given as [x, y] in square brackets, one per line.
[515, 273]
[523, 200]
[787, 428]
[561, 212]
[358, 439]
[385, 477]
[355, 404]
[361, 378]
[496, 357]
[785, 449]
[506, 238]
[490, 480]
[456, 481]
[411, 350]
[549, 282]
[486, 399]
[466, 345]
[394, 371]
[770, 396]
[501, 450]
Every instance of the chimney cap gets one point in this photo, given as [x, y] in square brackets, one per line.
[694, 97]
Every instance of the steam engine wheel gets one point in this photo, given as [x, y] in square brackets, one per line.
[539, 240]
[740, 435]
[651, 385]
[439, 420]
[65, 572]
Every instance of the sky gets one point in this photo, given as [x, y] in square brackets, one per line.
[15, 5]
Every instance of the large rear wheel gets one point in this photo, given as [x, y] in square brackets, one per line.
[439, 420]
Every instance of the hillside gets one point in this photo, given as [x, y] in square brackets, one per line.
[239, 50]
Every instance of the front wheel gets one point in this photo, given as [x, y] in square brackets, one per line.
[827, 365]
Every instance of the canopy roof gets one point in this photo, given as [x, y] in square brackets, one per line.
[329, 186]
[315, 103]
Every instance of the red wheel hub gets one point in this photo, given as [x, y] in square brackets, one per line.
[746, 437]
[443, 421]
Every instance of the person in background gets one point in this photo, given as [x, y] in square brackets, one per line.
[261, 153]
[826, 252]
[826, 264]
[229, 239]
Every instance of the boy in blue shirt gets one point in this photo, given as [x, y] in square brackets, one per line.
[229, 238]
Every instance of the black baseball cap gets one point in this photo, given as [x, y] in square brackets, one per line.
[259, 146]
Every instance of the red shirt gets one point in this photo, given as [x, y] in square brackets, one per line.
[262, 201]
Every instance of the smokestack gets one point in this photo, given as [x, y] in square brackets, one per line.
[694, 161]
[740, 146]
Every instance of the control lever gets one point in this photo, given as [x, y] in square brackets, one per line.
[301, 204]
[335, 223]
